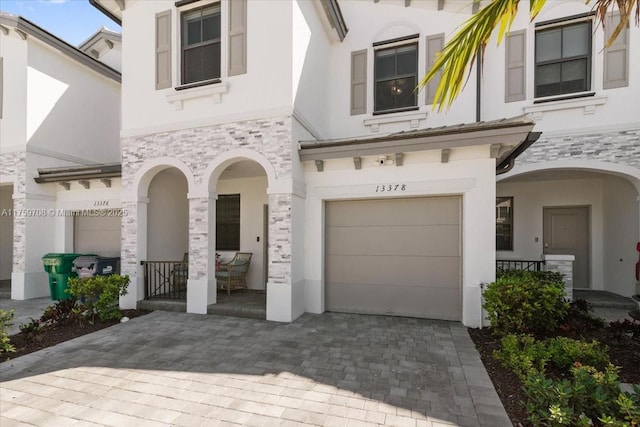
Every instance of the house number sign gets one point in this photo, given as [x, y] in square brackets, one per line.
[390, 188]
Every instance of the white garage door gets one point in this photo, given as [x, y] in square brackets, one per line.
[97, 234]
[396, 257]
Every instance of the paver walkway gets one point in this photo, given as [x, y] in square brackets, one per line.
[193, 370]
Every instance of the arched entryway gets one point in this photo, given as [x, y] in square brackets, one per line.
[155, 231]
[581, 208]
[238, 215]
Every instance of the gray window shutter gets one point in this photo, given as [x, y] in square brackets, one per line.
[359, 82]
[163, 50]
[515, 71]
[616, 56]
[237, 37]
[434, 45]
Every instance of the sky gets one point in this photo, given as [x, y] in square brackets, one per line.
[74, 21]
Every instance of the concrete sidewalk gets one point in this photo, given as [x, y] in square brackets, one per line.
[182, 369]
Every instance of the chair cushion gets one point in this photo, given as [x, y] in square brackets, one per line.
[222, 274]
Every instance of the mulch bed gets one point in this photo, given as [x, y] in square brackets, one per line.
[60, 333]
[624, 353]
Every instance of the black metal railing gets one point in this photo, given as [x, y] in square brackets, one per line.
[165, 279]
[510, 264]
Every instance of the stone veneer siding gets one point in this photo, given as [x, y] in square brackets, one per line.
[198, 148]
[14, 164]
[621, 147]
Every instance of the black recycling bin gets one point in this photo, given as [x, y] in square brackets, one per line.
[89, 266]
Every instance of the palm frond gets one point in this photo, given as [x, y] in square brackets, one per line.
[455, 59]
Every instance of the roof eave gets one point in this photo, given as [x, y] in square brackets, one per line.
[76, 173]
[98, 5]
[27, 27]
[511, 135]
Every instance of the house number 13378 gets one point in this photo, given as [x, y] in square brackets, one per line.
[390, 187]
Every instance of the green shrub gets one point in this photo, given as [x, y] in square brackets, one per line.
[33, 331]
[99, 295]
[564, 352]
[525, 356]
[522, 354]
[590, 397]
[523, 302]
[6, 321]
[60, 312]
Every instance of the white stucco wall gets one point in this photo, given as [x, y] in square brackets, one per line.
[371, 22]
[469, 173]
[621, 104]
[266, 85]
[528, 200]
[6, 231]
[168, 217]
[71, 110]
[253, 197]
[13, 124]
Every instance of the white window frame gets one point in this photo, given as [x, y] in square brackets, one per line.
[177, 42]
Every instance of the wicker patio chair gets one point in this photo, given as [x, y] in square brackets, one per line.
[233, 274]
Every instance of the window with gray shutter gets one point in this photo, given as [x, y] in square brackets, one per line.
[616, 56]
[359, 82]
[163, 50]
[237, 37]
[434, 44]
[515, 70]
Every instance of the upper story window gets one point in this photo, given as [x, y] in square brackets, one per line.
[395, 78]
[563, 59]
[201, 44]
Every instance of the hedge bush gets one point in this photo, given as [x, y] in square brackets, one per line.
[525, 302]
[526, 356]
[99, 295]
[589, 398]
[6, 321]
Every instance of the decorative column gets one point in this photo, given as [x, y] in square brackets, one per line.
[201, 285]
[279, 289]
[133, 249]
[562, 264]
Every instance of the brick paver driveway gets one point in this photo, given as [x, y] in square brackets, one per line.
[181, 369]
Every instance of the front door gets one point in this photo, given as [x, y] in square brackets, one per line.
[566, 232]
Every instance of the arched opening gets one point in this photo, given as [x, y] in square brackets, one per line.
[167, 236]
[238, 217]
[587, 211]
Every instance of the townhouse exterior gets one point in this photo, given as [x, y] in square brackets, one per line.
[305, 144]
[59, 108]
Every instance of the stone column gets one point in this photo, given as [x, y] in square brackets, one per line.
[279, 290]
[133, 249]
[562, 264]
[201, 285]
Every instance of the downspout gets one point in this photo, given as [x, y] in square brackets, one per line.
[507, 164]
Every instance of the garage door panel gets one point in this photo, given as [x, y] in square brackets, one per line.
[395, 270]
[442, 240]
[413, 211]
[432, 303]
[395, 257]
[97, 234]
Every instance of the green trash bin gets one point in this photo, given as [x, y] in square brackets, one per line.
[60, 268]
